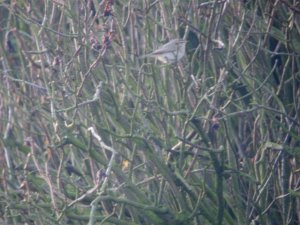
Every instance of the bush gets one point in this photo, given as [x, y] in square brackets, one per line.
[92, 133]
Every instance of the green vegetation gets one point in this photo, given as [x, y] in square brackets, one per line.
[92, 134]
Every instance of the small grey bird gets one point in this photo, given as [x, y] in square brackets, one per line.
[171, 52]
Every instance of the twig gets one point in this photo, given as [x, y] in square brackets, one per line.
[107, 173]
[26, 82]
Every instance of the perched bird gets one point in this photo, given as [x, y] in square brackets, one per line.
[171, 52]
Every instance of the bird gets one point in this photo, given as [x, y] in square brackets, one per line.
[169, 53]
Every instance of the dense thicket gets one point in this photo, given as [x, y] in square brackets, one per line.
[91, 133]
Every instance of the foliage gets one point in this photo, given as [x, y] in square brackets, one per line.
[91, 133]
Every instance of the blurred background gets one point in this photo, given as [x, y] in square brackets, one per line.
[90, 133]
